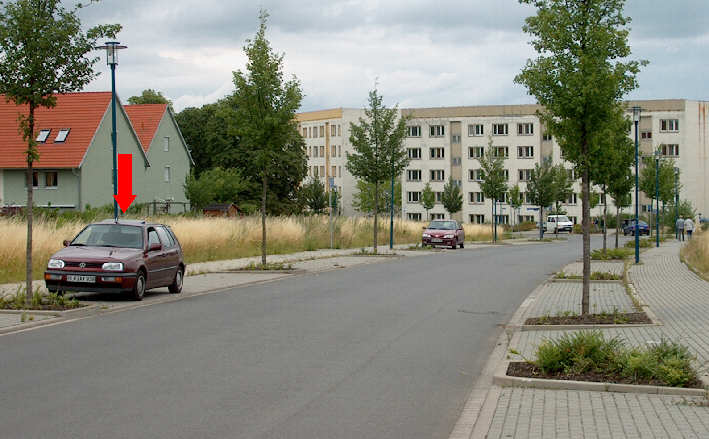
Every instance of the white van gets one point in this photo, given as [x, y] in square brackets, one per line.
[559, 223]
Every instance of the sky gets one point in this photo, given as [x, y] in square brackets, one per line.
[419, 53]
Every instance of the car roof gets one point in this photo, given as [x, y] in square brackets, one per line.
[128, 222]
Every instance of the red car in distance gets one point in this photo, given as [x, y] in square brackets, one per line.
[444, 233]
[118, 256]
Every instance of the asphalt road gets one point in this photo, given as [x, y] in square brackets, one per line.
[388, 350]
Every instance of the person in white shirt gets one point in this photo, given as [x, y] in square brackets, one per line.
[680, 229]
[689, 227]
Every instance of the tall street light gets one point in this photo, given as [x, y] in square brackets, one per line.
[112, 48]
[676, 202]
[636, 120]
[657, 198]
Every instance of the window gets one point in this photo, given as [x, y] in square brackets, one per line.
[438, 153]
[339, 171]
[333, 171]
[455, 161]
[571, 174]
[475, 130]
[50, 179]
[437, 131]
[669, 125]
[339, 131]
[438, 196]
[646, 134]
[322, 130]
[414, 153]
[167, 174]
[573, 199]
[475, 174]
[528, 198]
[333, 151]
[438, 175]
[503, 219]
[501, 151]
[413, 131]
[42, 136]
[322, 151]
[525, 129]
[333, 130]
[166, 144]
[475, 152]
[546, 137]
[477, 219]
[413, 197]
[413, 175]
[457, 183]
[438, 216]
[305, 132]
[414, 216]
[525, 174]
[499, 129]
[526, 218]
[315, 171]
[506, 173]
[310, 132]
[504, 198]
[339, 150]
[525, 152]
[455, 138]
[476, 197]
[61, 135]
[164, 238]
[152, 237]
[670, 150]
[322, 171]
[315, 151]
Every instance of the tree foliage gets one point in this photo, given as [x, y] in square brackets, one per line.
[219, 185]
[580, 77]
[452, 197]
[43, 52]
[563, 186]
[363, 198]
[428, 199]
[493, 183]
[666, 179]
[314, 195]
[540, 188]
[150, 96]
[264, 107]
[379, 155]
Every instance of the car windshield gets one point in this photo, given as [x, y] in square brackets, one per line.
[563, 218]
[110, 235]
[443, 225]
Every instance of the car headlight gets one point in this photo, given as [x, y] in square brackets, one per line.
[449, 236]
[112, 266]
[426, 235]
[55, 263]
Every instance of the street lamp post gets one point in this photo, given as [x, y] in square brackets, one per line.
[112, 48]
[636, 120]
[676, 202]
[657, 198]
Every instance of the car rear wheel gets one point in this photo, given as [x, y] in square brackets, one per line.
[176, 286]
[139, 289]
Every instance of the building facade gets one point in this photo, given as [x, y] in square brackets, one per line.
[447, 142]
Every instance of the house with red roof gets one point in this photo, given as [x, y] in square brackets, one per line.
[74, 169]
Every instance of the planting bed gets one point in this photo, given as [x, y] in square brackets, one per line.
[591, 319]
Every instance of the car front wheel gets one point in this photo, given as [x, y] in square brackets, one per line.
[176, 286]
[139, 289]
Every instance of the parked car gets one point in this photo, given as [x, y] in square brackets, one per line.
[121, 256]
[629, 227]
[560, 223]
[443, 233]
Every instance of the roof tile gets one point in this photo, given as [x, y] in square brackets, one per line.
[146, 119]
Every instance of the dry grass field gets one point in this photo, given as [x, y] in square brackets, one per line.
[696, 252]
[210, 239]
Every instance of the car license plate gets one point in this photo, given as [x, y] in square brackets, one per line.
[436, 240]
[85, 279]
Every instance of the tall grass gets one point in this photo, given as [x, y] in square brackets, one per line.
[210, 239]
[696, 252]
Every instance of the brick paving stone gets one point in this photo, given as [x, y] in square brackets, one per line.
[15, 319]
[576, 268]
[560, 297]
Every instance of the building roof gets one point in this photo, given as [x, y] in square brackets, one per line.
[81, 113]
[146, 119]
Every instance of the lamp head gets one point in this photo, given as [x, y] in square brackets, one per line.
[636, 113]
[112, 48]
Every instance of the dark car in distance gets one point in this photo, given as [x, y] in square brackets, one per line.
[124, 256]
[629, 227]
[444, 233]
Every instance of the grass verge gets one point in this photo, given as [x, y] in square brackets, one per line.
[40, 302]
[696, 254]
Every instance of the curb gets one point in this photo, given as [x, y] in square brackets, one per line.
[41, 312]
[578, 281]
[525, 328]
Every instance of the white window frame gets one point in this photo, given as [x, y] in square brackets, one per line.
[436, 130]
[166, 144]
[410, 150]
[43, 135]
[500, 129]
[525, 152]
[669, 125]
[437, 174]
[167, 174]
[433, 153]
[413, 131]
[473, 152]
[476, 130]
[413, 196]
[411, 175]
[525, 129]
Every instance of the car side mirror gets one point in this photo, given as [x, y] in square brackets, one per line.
[155, 246]
[66, 243]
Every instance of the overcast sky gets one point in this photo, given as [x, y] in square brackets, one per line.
[423, 53]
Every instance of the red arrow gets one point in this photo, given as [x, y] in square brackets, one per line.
[125, 195]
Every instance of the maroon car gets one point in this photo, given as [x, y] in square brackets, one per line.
[444, 233]
[118, 256]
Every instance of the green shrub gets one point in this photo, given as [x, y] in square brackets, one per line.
[526, 226]
[604, 275]
[610, 254]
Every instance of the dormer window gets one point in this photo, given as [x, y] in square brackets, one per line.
[61, 137]
[43, 135]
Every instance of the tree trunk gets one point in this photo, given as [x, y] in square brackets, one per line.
[541, 223]
[263, 221]
[617, 225]
[605, 218]
[586, 227]
[30, 210]
[376, 214]
[492, 223]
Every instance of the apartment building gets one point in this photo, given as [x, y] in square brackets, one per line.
[447, 142]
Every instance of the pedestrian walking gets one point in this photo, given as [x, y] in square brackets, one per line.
[680, 228]
[689, 227]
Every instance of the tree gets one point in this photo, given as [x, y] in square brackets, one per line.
[378, 154]
[264, 107]
[428, 199]
[621, 199]
[217, 185]
[563, 186]
[540, 189]
[452, 198]
[150, 96]
[43, 52]
[493, 182]
[363, 198]
[666, 180]
[579, 78]
[314, 195]
[515, 199]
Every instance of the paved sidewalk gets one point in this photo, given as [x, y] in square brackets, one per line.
[557, 298]
[680, 300]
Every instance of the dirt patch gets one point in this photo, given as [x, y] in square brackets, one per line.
[592, 319]
[526, 370]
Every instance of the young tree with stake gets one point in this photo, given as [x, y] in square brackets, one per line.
[452, 198]
[540, 189]
[515, 200]
[428, 199]
[493, 183]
